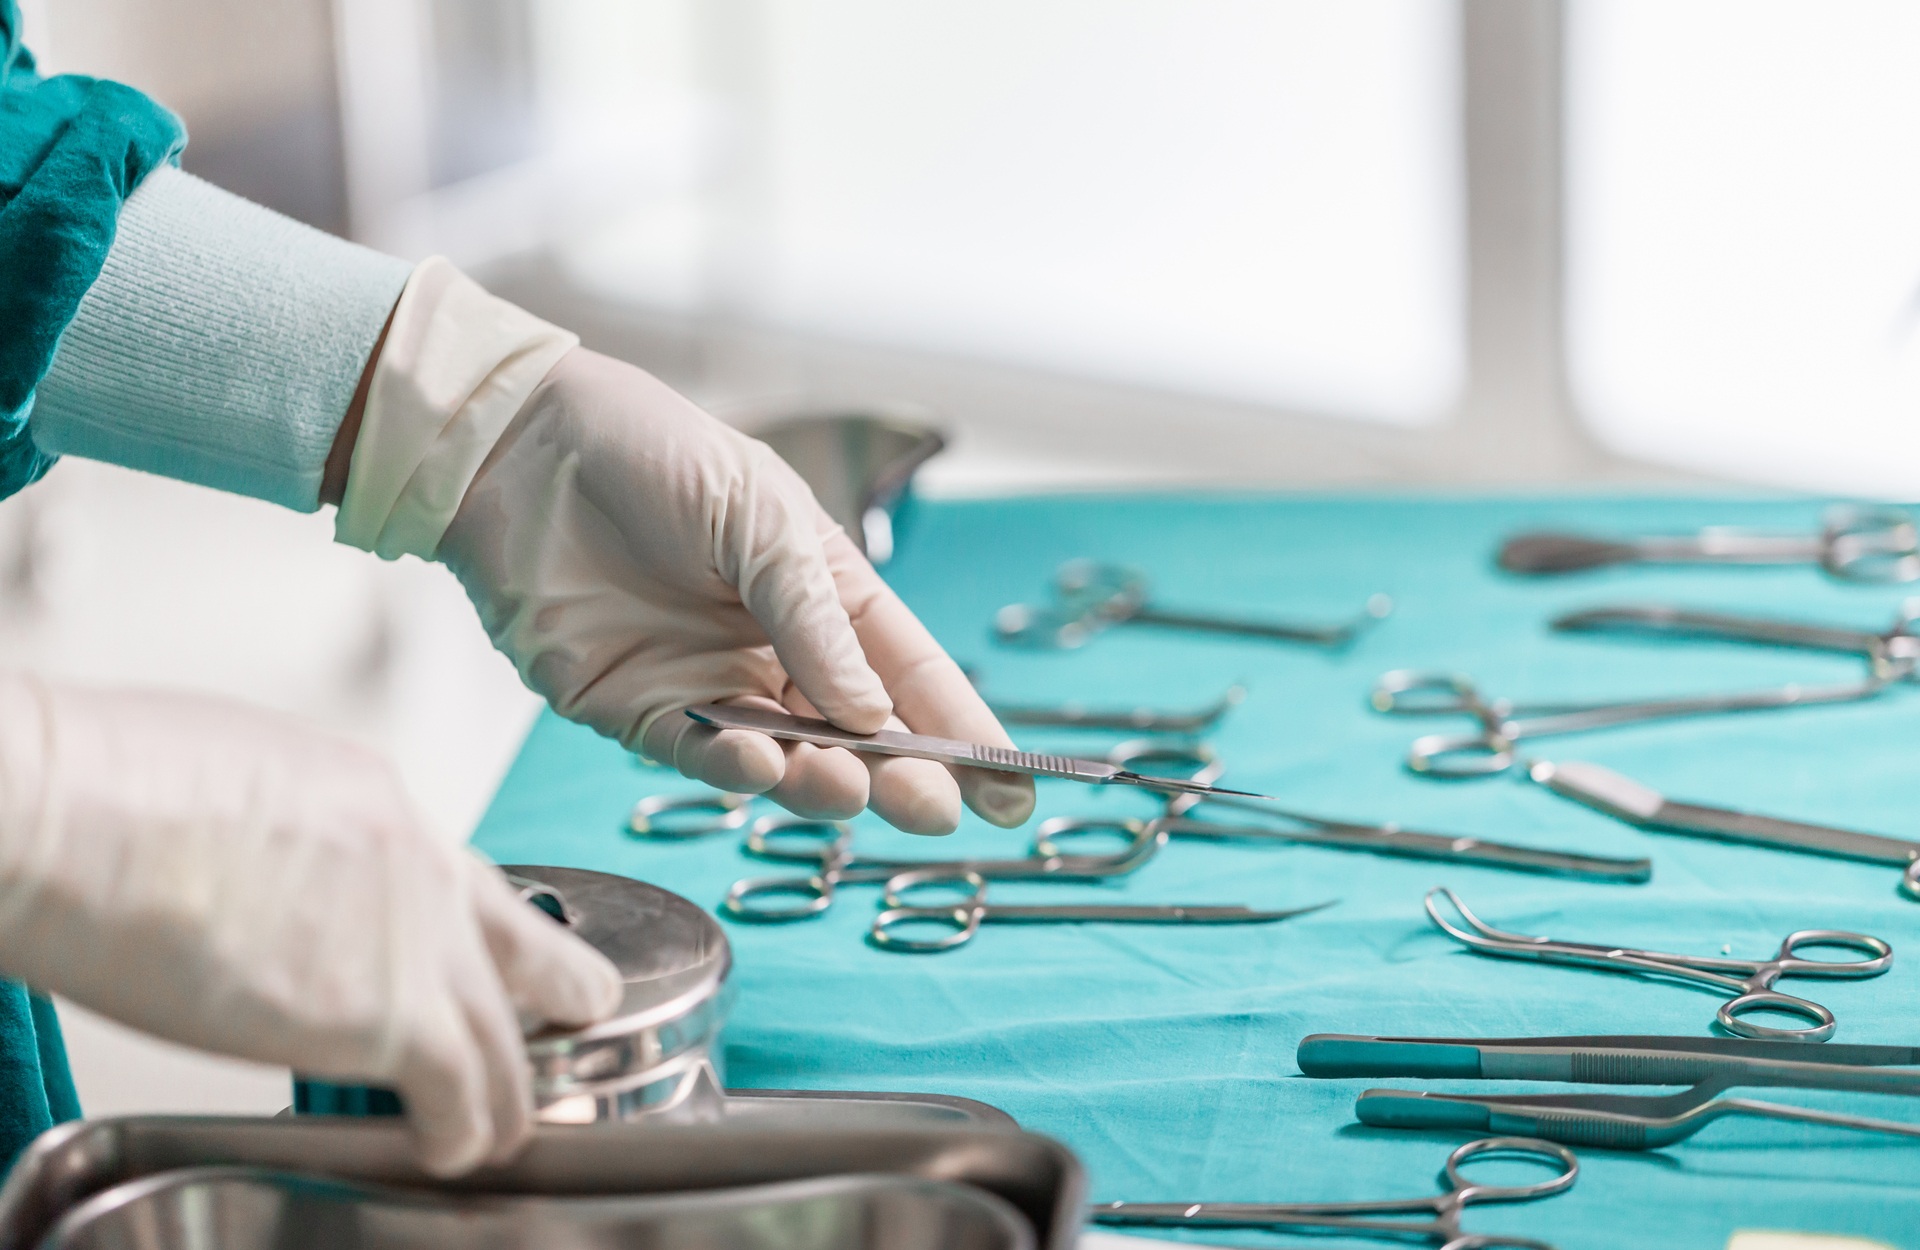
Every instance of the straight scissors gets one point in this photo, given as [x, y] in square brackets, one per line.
[827, 848]
[1442, 1230]
[1198, 762]
[1503, 724]
[1855, 543]
[942, 750]
[1091, 597]
[1625, 799]
[960, 919]
[1751, 980]
[1890, 655]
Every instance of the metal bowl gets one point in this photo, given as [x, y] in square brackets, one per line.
[659, 1053]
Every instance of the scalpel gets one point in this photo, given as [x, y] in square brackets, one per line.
[945, 750]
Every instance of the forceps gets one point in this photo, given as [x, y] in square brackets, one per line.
[1861, 544]
[1503, 724]
[962, 918]
[1089, 597]
[1628, 800]
[942, 750]
[1443, 1230]
[1711, 1065]
[1751, 980]
[1890, 656]
[827, 848]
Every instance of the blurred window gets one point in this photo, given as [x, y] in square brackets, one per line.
[1744, 236]
[1244, 198]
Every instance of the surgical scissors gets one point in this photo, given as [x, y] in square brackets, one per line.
[667, 815]
[1751, 980]
[1891, 655]
[827, 847]
[1442, 1230]
[1855, 543]
[1090, 597]
[962, 918]
[1503, 724]
[1625, 799]
[1198, 762]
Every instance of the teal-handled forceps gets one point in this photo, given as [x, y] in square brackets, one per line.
[1442, 1230]
[826, 847]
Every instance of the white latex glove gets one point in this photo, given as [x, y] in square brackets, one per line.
[230, 880]
[634, 557]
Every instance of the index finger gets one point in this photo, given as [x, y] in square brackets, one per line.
[930, 693]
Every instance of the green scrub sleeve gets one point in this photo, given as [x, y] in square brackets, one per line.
[71, 150]
[220, 345]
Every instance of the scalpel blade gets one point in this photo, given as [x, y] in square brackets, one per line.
[941, 750]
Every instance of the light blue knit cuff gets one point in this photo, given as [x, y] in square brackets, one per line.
[221, 344]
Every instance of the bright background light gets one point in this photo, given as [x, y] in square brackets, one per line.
[1238, 198]
[1744, 237]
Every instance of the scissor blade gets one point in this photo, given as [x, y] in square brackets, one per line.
[1412, 844]
[1628, 800]
[892, 742]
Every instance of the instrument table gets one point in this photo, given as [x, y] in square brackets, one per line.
[1164, 1056]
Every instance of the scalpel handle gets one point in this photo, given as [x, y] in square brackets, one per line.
[892, 742]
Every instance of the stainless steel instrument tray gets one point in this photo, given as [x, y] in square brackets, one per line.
[860, 1109]
[69, 1164]
[252, 1209]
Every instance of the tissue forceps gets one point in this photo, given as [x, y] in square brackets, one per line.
[1625, 799]
[941, 750]
[1890, 656]
[963, 918]
[1751, 980]
[1442, 1230]
[1711, 1065]
[1855, 543]
[826, 847]
[1503, 724]
[1090, 597]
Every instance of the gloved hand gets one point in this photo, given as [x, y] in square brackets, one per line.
[634, 557]
[230, 880]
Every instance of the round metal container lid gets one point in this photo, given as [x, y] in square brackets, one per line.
[673, 955]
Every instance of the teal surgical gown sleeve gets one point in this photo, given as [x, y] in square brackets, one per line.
[71, 150]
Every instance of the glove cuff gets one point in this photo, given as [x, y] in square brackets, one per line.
[457, 366]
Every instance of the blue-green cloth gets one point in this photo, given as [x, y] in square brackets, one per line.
[1165, 1056]
[71, 150]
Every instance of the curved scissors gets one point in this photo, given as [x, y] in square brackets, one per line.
[964, 916]
[1443, 1230]
[827, 847]
[1751, 980]
[1503, 724]
[667, 815]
